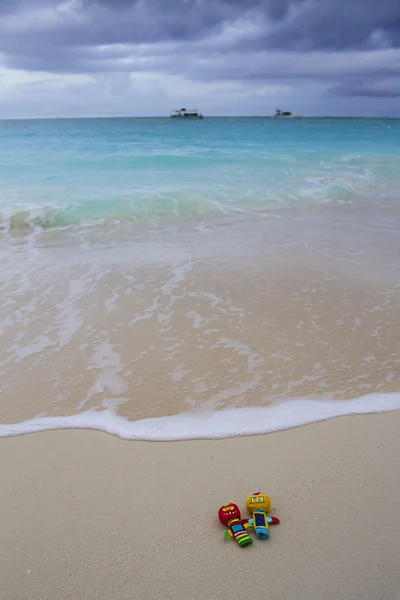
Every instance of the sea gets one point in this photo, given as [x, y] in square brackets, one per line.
[176, 279]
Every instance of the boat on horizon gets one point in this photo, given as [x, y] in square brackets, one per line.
[281, 114]
[183, 113]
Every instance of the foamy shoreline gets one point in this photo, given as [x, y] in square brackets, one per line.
[87, 515]
[203, 424]
[245, 314]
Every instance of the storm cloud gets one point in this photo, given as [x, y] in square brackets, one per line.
[336, 48]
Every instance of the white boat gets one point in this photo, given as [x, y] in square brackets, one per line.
[281, 114]
[183, 113]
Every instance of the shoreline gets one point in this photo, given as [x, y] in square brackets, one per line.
[245, 315]
[88, 515]
[203, 424]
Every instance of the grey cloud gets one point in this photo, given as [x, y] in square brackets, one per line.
[339, 25]
[210, 40]
[379, 88]
[287, 24]
[285, 65]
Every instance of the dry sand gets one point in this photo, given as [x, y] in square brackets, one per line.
[85, 515]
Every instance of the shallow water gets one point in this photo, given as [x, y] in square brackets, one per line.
[152, 268]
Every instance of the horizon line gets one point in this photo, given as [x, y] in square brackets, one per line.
[205, 117]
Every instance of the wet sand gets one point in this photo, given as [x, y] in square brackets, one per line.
[184, 330]
[88, 515]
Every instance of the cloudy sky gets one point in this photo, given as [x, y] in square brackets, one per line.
[226, 57]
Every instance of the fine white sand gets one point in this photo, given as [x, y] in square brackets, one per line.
[85, 515]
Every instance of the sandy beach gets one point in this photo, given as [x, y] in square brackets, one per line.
[88, 515]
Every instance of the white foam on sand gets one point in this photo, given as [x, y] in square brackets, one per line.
[200, 424]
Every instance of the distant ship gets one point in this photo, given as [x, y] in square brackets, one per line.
[280, 114]
[183, 113]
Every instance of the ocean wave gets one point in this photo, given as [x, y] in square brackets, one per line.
[160, 208]
[27, 220]
[200, 424]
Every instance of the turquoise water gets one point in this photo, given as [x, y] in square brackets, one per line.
[164, 279]
[57, 173]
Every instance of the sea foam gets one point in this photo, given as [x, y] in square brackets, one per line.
[199, 424]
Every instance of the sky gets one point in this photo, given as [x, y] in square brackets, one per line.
[80, 58]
